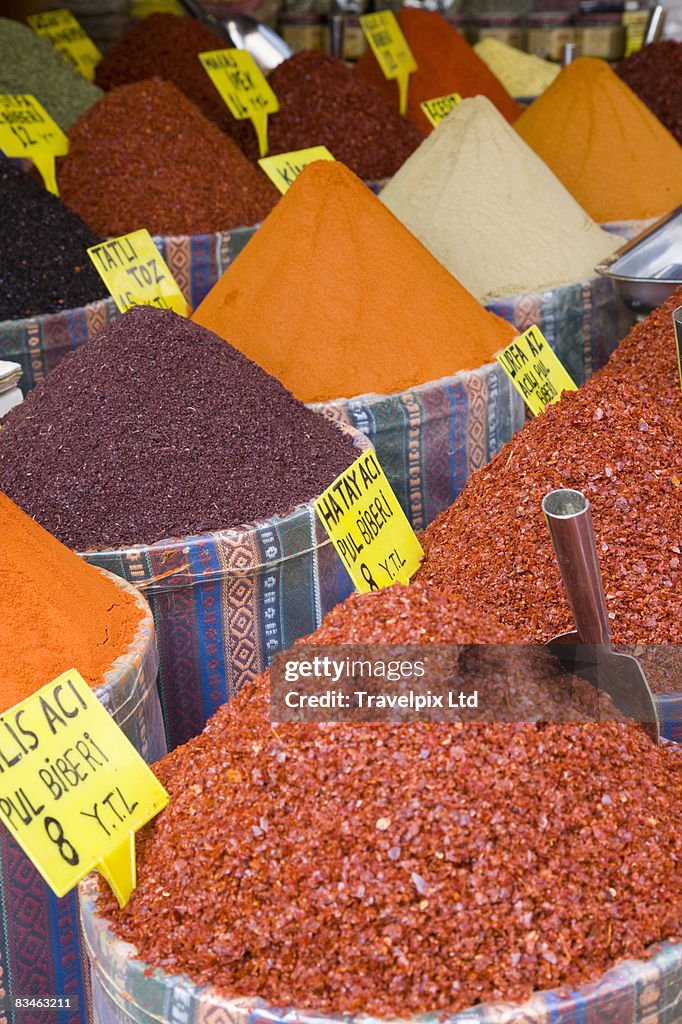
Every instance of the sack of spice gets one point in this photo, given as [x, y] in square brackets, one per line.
[59, 613]
[354, 311]
[530, 249]
[619, 444]
[385, 871]
[201, 492]
[445, 64]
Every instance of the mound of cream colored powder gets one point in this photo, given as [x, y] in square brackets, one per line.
[522, 74]
[491, 211]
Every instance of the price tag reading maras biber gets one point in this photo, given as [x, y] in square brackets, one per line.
[28, 131]
[73, 789]
[389, 46]
[283, 169]
[437, 109]
[535, 371]
[368, 527]
[135, 273]
[243, 88]
[69, 39]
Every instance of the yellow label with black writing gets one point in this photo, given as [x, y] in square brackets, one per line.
[389, 46]
[243, 88]
[438, 108]
[69, 39]
[677, 325]
[73, 789]
[136, 274]
[28, 131]
[534, 370]
[368, 527]
[283, 169]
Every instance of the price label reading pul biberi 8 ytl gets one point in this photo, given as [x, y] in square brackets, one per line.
[243, 87]
[73, 789]
[136, 274]
[534, 370]
[368, 527]
[28, 131]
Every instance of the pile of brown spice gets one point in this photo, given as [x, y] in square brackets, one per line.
[397, 869]
[655, 74]
[623, 449]
[146, 157]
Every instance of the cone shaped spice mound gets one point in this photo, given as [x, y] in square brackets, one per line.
[607, 148]
[445, 63]
[623, 450]
[145, 157]
[522, 74]
[57, 612]
[655, 74]
[322, 103]
[336, 298]
[43, 266]
[166, 46]
[172, 433]
[397, 869]
[648, 355]
[29, 64]
[488, 208]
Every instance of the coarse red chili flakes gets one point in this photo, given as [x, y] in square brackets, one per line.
[396, 869]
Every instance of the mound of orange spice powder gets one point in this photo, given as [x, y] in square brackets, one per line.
[57, 612]
[398, 869]
[604, 144]
[445, 63]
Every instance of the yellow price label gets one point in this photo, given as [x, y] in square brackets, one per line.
[73, 789]
[145, 8]
[69, 39]
[243, 88]
[368, 528]
[535, 371]
[389, 46]
[136, 274]
[283, 169]
[28, 131]
[440, 107]
[677, 325]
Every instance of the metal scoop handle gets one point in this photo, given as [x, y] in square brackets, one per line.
[569, 522]
[198, 12]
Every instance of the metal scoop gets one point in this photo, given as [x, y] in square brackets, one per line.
[569, 520]
[245, 33]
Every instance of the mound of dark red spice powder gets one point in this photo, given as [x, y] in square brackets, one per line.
[655, 74]
[623, 449]
[146, 157]
[321, 103]
[158, 428]
[167, 46]
[397, 869]
[648, 355]
[44, 267]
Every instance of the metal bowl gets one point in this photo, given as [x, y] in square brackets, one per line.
[647, 269]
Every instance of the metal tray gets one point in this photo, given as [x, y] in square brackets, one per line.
[647, 269]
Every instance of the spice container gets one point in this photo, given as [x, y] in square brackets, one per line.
[601, 35]
[505, 27]
[547, 32]
[302, 30]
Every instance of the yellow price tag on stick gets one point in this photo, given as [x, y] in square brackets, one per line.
[440, 107]
[69, 39]
[73, 789]
[283, 169]
[535, 371]
[368, 527]
[28, 131]
[136, 274]
[389, 46]
[243, 88]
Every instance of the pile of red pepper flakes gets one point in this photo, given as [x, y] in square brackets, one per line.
[397, 869]
[648, 355]
[655, 74]
[622, 448]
